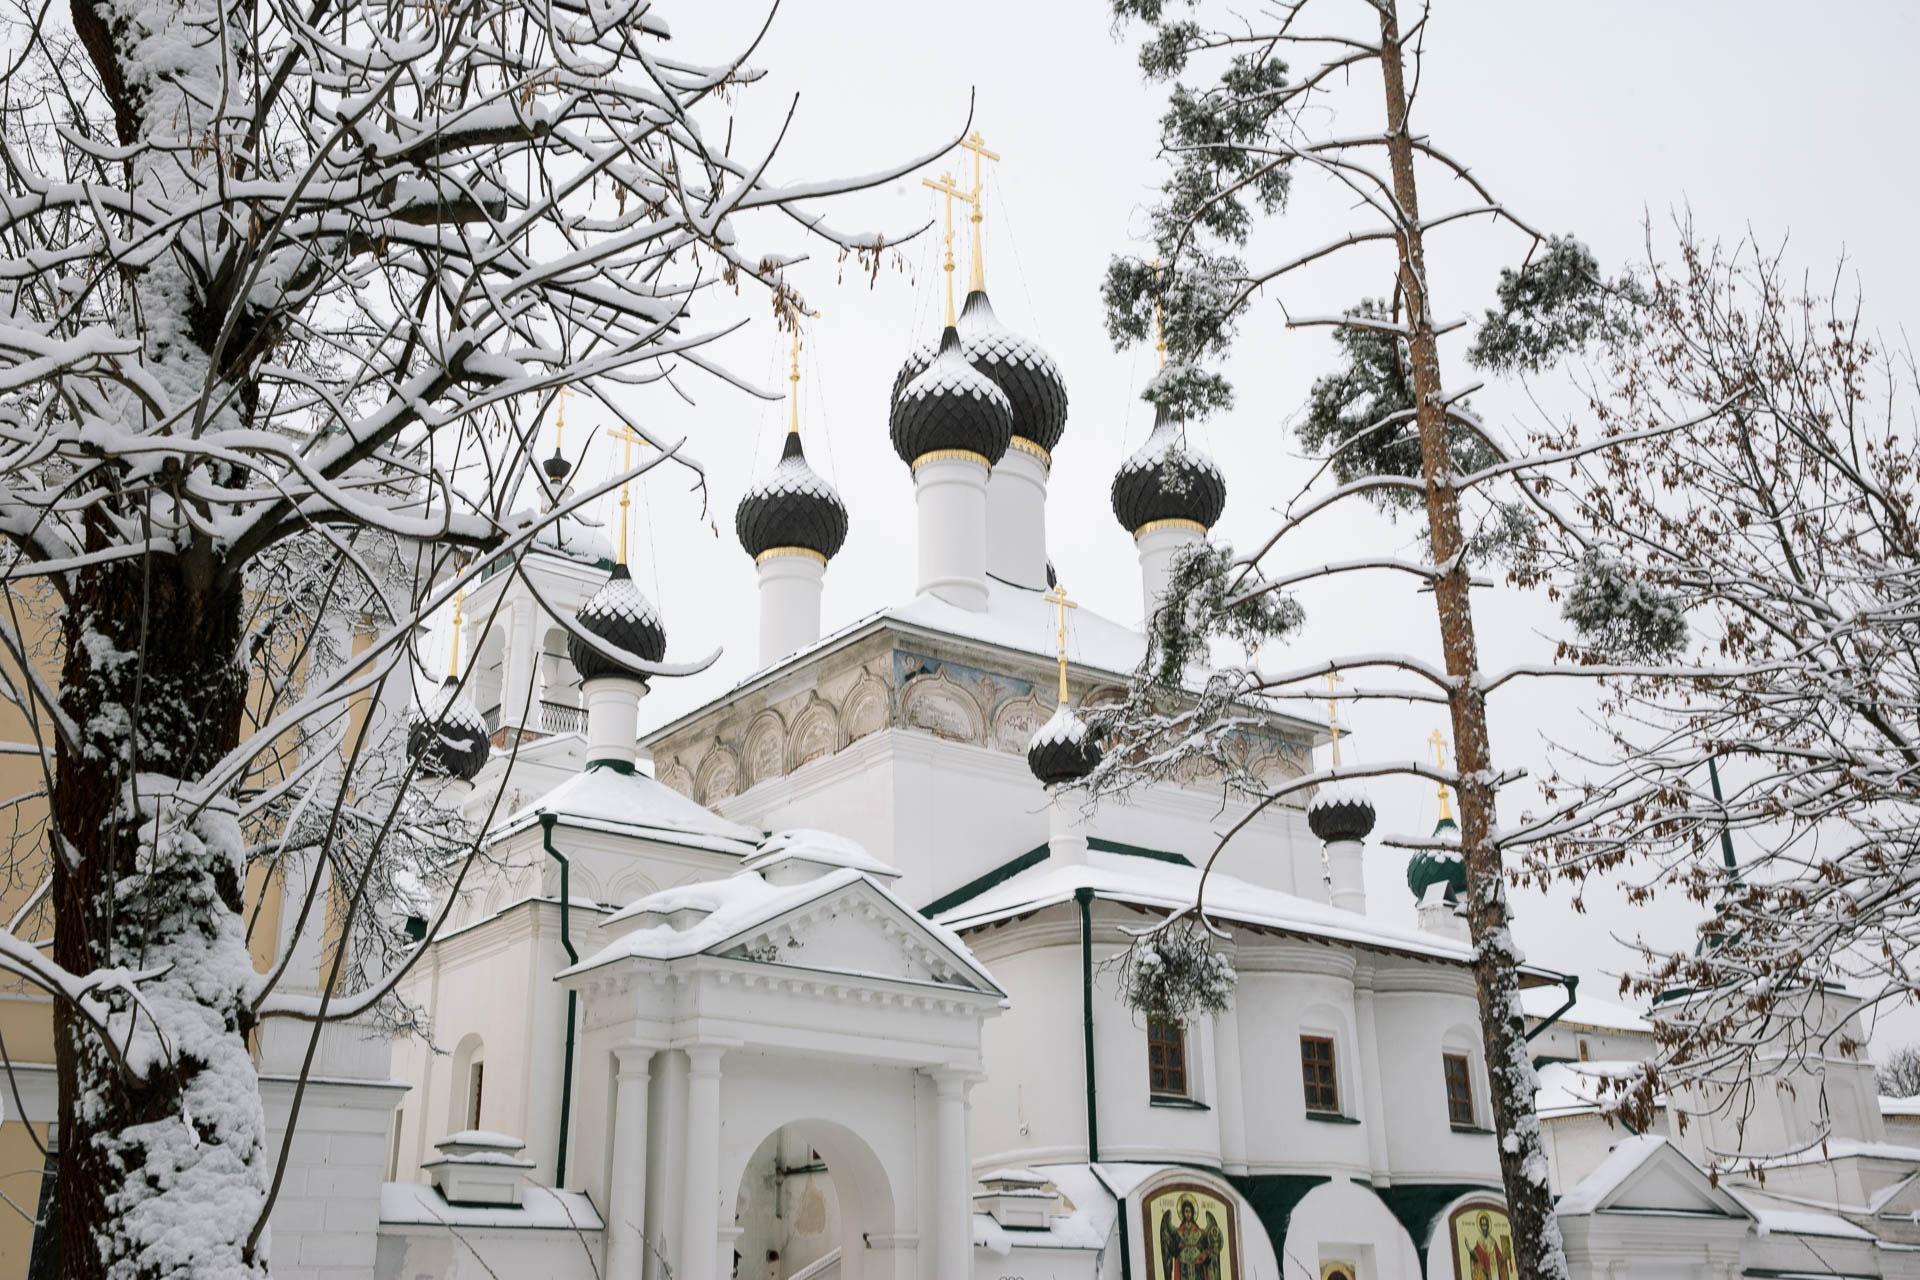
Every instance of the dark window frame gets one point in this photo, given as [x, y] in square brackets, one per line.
[1320, 1074]
[476, 1091]
[1168, 1073]
[1456, 1069]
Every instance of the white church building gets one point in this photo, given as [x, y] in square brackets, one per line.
[816, 981]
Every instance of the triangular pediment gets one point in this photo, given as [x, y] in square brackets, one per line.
[859, 929]
[1648, 1175]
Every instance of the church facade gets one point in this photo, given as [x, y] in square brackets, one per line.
[819, 980]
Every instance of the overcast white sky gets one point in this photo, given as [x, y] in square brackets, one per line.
[1586, 118]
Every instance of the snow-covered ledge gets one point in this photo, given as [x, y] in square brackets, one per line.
[480, 1168]
[1439, 915]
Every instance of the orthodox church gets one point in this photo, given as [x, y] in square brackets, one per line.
[818, 980]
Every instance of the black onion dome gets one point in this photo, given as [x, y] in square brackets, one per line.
[792, 507]
[913, 366]
[1017, 365]
[1336, 814]
[951, 405]
[557, 468]
[1168, 479]
[1063, 749]
[625, 619]
[448, 738]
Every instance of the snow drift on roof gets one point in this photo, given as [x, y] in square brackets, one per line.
[635, 804]
[1602, 1015]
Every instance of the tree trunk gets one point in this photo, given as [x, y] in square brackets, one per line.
[1523, 1159]
[160, 1168]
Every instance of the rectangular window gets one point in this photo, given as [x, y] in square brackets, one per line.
[1459, 1089]
[1316, 1069]
[476, 1085]
[1166, 1059]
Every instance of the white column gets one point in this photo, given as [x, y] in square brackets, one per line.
[613, 718]
[950, 494]
[1375, 1119]
[627, 1187]
[701, 1169]
[1347, 870]
[1066, 829]
[518, 697]
[1017, 516]
[953, 1177]
[1157, 546]
[1230, 1104]
[790, 584]
[666, 1148]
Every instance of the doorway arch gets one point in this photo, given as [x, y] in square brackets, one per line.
[809, 1187]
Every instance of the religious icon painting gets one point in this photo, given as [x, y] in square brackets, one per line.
[1482, 1243]
[1340, 1269]
[1192, 1233]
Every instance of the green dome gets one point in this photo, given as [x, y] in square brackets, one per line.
[1424, 869]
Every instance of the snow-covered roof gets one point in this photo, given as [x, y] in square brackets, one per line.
[1171, 886]
[1647, 1174]
[1087, 1220]
[1015, 618]
[611, 800]
[1601, 1015]
[805, 844]
[417, 1204]
[1779, 1217]
[713, 915]
[1900, 1106]
[1573, 1088]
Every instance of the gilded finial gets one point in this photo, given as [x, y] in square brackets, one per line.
[978, 145]
[793, 377]
[1333, 713]
[453, 658]
[1439, 743]
[1160, 351]
[627, 438]
[1058, 599]
[559, 418]
[945, 185]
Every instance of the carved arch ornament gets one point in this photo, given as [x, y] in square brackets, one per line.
[944, 708]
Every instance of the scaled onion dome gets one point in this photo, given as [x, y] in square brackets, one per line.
[951, 405]
[448, 737]
[1025, 374]
[1063, 750]
[1167, 479]
[1339, 813]
[1426, 869]
[557, 468]
[625, 619]
[792, 507]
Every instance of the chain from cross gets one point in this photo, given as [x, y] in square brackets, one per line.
[1058, 599]
[1439, 743]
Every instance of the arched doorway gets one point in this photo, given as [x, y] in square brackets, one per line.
[812, 1188]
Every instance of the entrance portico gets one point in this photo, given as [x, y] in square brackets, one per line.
[799, 997]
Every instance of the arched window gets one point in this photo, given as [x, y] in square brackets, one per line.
[469, 1084]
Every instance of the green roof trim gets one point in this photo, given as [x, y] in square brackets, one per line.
[1418, 1205]
[1033, 858]
[1274, 1197]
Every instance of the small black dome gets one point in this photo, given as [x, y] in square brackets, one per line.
[1017, 365]
[557, 467]
[951, 405]
[792, 507]
[448, 738]
[1062, 749]
[625, 619]
[1338, 814]
[1167, 479]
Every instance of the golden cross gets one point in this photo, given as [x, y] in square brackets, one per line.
[1333, 713]
[945, 185]
[978, 145]
[1439, 742]
[453, 659]
[793, 375]
[1160, 350]
[627, 438]
[1058, 599]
